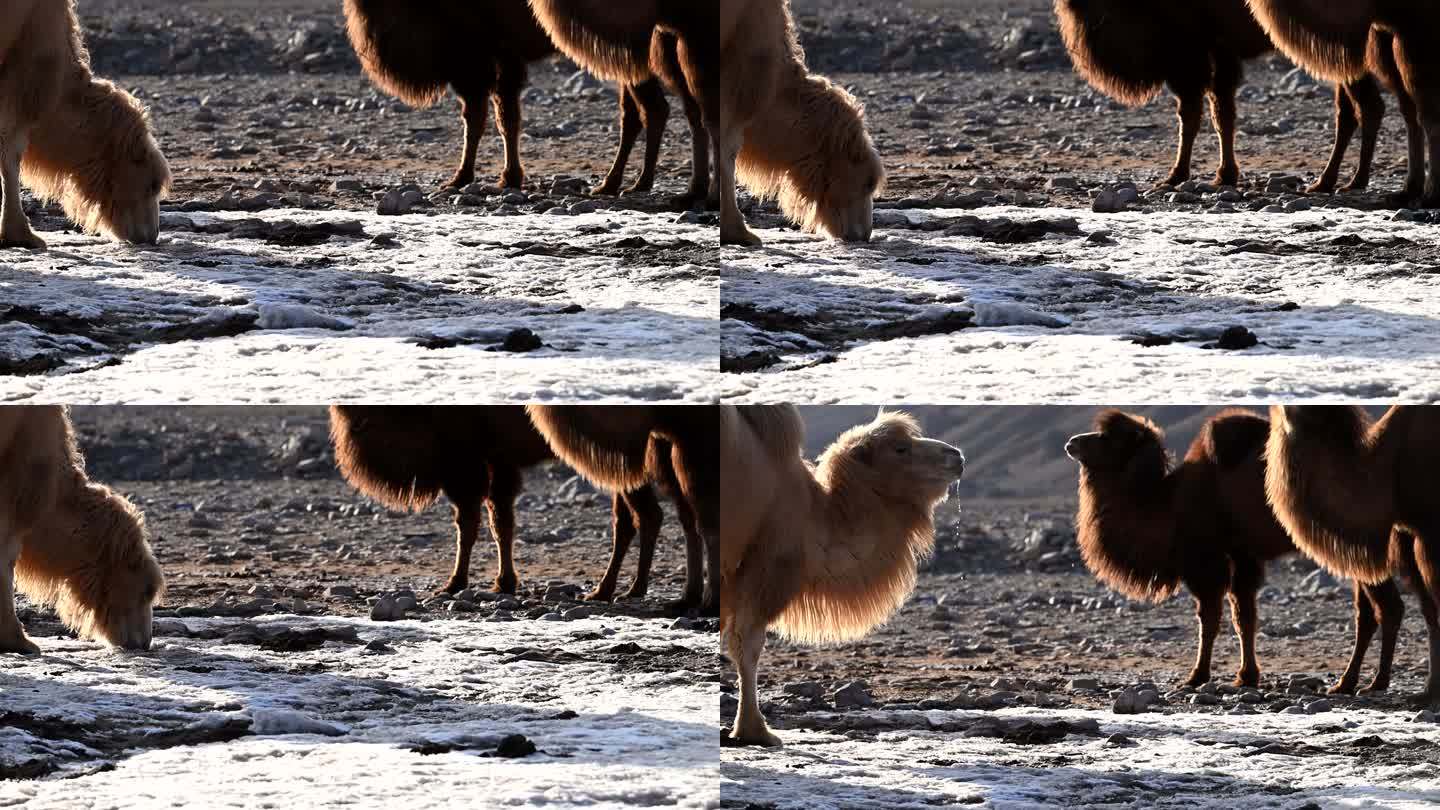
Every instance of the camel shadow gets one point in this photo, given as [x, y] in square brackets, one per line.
[126, 704]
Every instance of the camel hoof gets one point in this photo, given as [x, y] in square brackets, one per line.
[26, 242]
[1251, 681]
[512, 180]
[506, 585]
[1341, 688]
[687, 201]
[766, 739]
[641, 187]
[634, 593]
[743, 237]
[1352, 188]
[1374, 689]
[606, 190]
[1322, 187]
[21, 646]
[600, 595]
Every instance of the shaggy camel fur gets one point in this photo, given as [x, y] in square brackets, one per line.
[406, 457]
[1359, 498]
[622, 447]
[70, 136]
[819, 553]
[787, 134]
[67, 541]
[1145, 526]
[1205, 46]
[1332, 39]
[634, 41]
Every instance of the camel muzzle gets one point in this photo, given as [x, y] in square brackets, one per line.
[1075, 447]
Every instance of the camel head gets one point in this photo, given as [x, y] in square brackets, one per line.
[892, 457]
[846, 209]
[1126, 448]
[113, 581]
[116, 186]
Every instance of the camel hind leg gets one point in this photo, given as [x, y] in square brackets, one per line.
[655, 112]
[1420, 76]
[474, 94]
[665, 61]
[1425, 570]
[1358, 105]
[12, 633]
[645, 509]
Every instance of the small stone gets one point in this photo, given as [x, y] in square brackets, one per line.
[340, 591]
[853, 695]
[385, 610]
[578, 612]
[514, 746]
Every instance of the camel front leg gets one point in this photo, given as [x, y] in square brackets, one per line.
[746, 642]
[15, 229]
[1189, 106]
[630, 126]
[466, 510]
[1207, 615]
[12, 633]
[474, 94]
[1365, 626]
[1346, 123]
[622, 532]
[1225, 86]
[1389, 611]
[733, 230]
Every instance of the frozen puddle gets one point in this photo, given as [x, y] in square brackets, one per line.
[1032, 758]
[1020, 304]
[299, 712]
[291, 305]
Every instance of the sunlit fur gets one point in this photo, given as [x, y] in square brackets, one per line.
[609, 38]
[1359, 497]
[1326, 37]
[805, 143]
[821, 553]
[90, 145]
[1145, 526]
[1332, 487]
[612, 446]
[81, 547]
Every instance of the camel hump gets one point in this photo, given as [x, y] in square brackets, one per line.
[606, 444]
[780, 428]
[1235, 436]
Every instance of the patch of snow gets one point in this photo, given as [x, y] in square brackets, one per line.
[1173, 760]
[420, 719]
[1132, 317]
[625, 304]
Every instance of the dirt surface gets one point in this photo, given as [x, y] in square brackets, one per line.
[246, 510]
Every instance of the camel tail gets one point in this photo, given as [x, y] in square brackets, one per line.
[1328, 39]
[609, 38]
[606, 444]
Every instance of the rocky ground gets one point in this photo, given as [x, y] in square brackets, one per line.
[299, 626]
[1013, 679]
[980, 285]
[300, 186]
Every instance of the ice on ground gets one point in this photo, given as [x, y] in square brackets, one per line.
[1011, 304]
[1087, 759]
[621, 712]
[302, 306]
